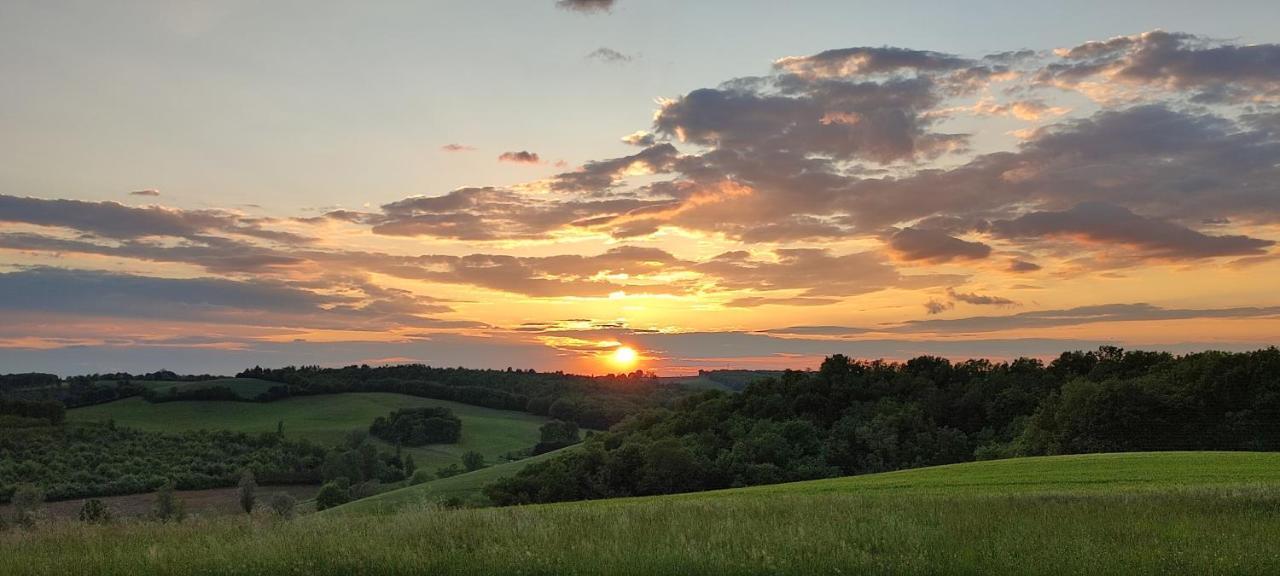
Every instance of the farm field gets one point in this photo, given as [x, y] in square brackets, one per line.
[1188, 513]
[326, 419]
[203, 503]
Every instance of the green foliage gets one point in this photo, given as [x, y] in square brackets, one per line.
[420, 477]
[94, 511]
[330, 495]
[555, 435]
[418, 427]
[447, 471]
[473, 461]
[865, 417]
[247, 491]
[282, 504]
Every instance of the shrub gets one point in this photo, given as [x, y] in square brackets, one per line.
[27, 501]
[248, 491]
[168, 506]
[418, 427]
[473, 461]
[447, 471]
[282, 504]
[420, 476]
[330, 495]
[94, 511]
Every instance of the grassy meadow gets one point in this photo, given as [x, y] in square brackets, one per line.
[1189, 513]
[326, 419]
[246, 388]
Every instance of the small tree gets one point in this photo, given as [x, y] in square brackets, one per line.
[331, 495]
[248, 491]
[473, 461]
[168, 506]
[420, 476]
[280, 428]
[93, 511]
[282, 504]
[409, 465]
[27, 501]
[447, 471]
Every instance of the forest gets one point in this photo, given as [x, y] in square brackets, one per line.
[853, 417]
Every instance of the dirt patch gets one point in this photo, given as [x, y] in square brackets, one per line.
[215, 502]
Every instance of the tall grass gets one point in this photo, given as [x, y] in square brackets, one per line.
[1223, 530]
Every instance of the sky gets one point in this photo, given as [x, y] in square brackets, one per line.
[209, 186]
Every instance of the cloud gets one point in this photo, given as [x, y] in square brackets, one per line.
[1076, 316]
[934, 246]
[640, 138]
[521, 157]
[586, 6]
[979, 299]
[147, 192]
[114, 220]
[457, 148]
[1022, 266]
[846, 62]
[609, 56]
[937, 307]
[1116, 226]
[1213, 71]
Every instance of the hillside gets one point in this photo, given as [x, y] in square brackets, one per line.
[1096, 514]
[326, 419]
[244, 388]
[465, 488]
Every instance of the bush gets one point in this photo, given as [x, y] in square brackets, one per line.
[418, 427]
[168, 506]
[420, 476]
[94, 511]
[282, 504]
[330, 495]
[447, 471]
[247, 491]
[28, 499]
[473, 461]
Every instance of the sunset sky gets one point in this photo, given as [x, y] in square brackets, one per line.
[208, 186]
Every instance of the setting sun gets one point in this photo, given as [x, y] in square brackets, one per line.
[624, 356]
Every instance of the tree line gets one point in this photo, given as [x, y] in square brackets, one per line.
[853, 417]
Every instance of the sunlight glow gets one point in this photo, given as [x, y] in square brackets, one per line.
[624, 357]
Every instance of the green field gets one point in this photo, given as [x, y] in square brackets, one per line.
[1170, 513]
[246, 388]
[326, 419]
[464, 487]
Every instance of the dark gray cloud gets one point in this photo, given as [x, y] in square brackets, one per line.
[1115, 226]
[1077, 316]
[601, 175]
[588, 6]
[147, 192]
[934, 246]
[1022, 266]
[520, 157]
[979, 299]
[457, 148]
[114, 220]
[937, 307]
[262, 303]
[608, 56]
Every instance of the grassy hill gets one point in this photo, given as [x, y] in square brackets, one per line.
[326, 419]
[465, 487]
[1167, 513]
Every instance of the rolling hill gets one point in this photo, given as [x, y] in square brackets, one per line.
[465, 488]
[1141, 513]
[326, 419]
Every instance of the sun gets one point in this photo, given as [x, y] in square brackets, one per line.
[624, 356]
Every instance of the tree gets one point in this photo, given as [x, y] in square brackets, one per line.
[330, 495]
[282, 504]
[168, 506]
[93, 511]
[409, 466]
[473, 461]
[27, 501]
[557, 434]
[447, 471]
[247, 491]
[280, 428]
